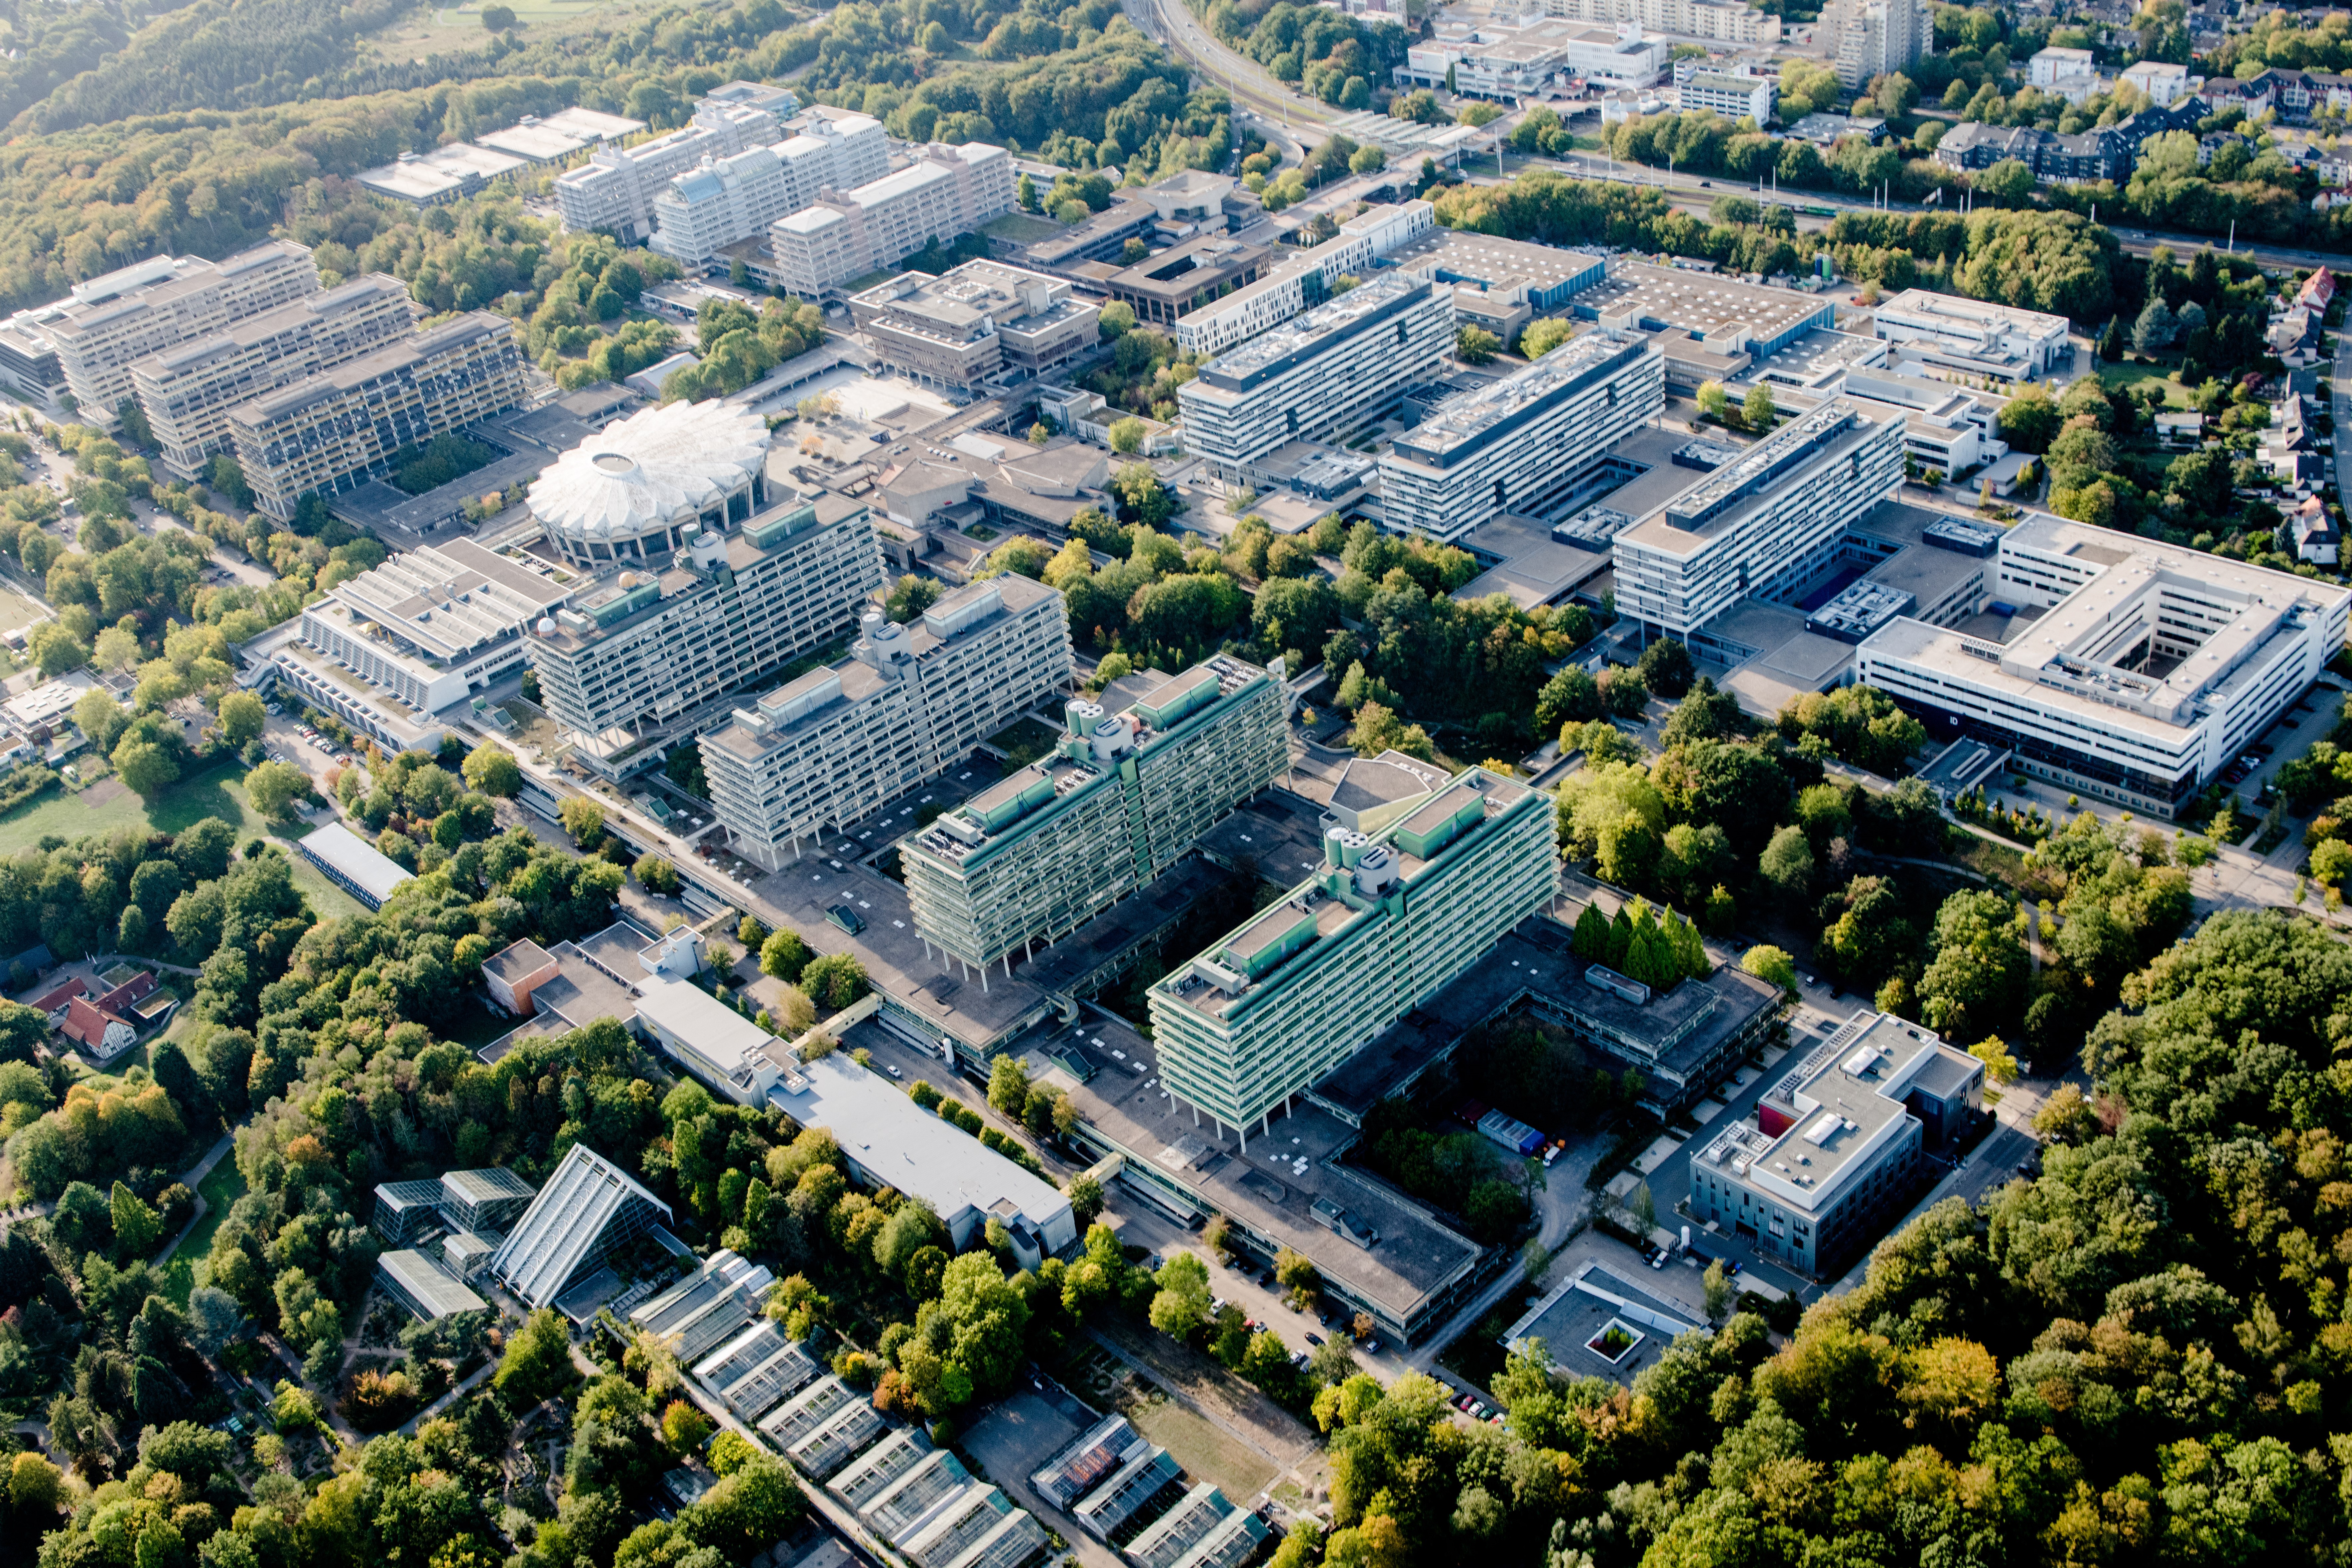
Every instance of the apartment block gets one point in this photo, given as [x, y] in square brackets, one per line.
[2133, 672]
[909, 703]
[111, 323]
[1305, 279]
[1330, 371]
[1121, 800]
[614, 190]
[1836, 1154]
[1764, 523]
[973, 321]
[434, 624]
[334, 431]
[639, 654]
[726, 200]
[1714, 20]
[1389, 919]
[1871, 38]
[846, 234]
[186, 392]
[1524, 443]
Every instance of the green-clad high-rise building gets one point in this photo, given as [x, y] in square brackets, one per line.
[1120, 799]
[1389, 919]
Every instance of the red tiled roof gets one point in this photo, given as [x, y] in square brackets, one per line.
[87, 1024]
[56, 997]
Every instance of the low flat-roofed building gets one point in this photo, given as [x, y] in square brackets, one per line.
[1835, 1155]
[1598, 1324]
[756, 1371]
[891, 1142]
[1163, 289]
[1973, 338]
[1078, 1469]
[354, 865]
[418, 1283]
[444, 174]
[1166, 1540]
[2135, 671]
[725, 1050]
[436, 625]
[514, 972]
[551, 138]
[877, 1471]
[975, 322]
[1733, 96]
[1543, 278]
[1723, 314]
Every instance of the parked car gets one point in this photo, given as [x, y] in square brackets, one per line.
[892, 1070]
[1313, 1339]
[1372, 1347]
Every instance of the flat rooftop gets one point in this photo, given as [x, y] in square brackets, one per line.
[1272, 1187]
[1926, 309]
[1312, 332]
[1467, 422]
[1705, 304]
[1685, 526]
[1497, 265]
[1579, 1311]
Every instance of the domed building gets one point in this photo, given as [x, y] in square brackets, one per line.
[624, 494]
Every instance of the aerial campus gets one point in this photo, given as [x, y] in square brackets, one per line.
[762, 821]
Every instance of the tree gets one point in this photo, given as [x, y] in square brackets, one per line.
[274, 787]
[147, 767]
[498, 18]
[1713, 401]
[1772, 964]
[1008, 1084]
[242, 716]
[833, 981]
[583, 819]
[1542, 335]
[1759, 409]
[537, 1362]
[1787, 862]
[1086, 1195]
[2154, 327]
[1476, 345]
[657, 875]
[1717, 1287]
[1182, 1305]
[910, 596]
[784, 955]
[1999, 1066]
[1295, 1272]
[2007, 180]
[1571, 697]
[1127, 436]
[684, 1428]
[493, 770]
[1665, 666]
[136, 1225]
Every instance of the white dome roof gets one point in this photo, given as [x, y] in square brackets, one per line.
[649, 472]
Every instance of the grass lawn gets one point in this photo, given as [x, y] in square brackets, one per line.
[2126, 376]
[218, 791]
[17, 611]
[222, 1188]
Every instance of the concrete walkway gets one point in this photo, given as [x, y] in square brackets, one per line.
[192, 1178]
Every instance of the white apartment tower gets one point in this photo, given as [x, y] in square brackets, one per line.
[615, 189]
[1870, 38]
[1524, 443]
[1324, 372]
[909, 703]
[186, 392]
[725, 200]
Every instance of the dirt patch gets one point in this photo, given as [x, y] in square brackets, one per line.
[103, 791]
[1206, 1451]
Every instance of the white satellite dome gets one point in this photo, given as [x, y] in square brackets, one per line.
[647, 473]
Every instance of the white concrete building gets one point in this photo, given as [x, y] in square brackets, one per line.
[2056, 70]
[909, 703]
[1305, 279]
[1328, 371]
[614, 190]
[431, 625]
[724, 200]
[1716, 21]
[186, 392]
[111, 323]
[1733, 96]
[2145, 671]
[1971, 337]
[846, 233]
[1523, 443]
[2164, 82]
[1870, 38]
[1766, 524]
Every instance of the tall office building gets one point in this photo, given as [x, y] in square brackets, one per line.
[336, 430]
[1871, 38]
[1304, 279]
[615, 189]
[909, 703]
[1326, 373]
[111, 323]
[1122, 797]
[2148, 668]
[186, 392]
[1388, 921]
[848, 232]
[1524, 443]
[1766, 523]
[974, 321]
[706, 577]
[705, 209]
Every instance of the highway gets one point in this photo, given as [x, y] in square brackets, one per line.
[1281, 115]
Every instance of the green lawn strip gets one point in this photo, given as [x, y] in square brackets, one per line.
[219, 1191]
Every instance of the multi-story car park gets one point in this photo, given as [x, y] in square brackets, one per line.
[111, 323]
[1766, 523]
[614, 189]
[2134, 671]
[434, 624]
[1833, 1157]
[1389, 919]
[186, 392]
[639, 654]
[909, 703]
[1328, 371]
[973, 321]
[1121, 798]
[1524, 443]
[335, 430]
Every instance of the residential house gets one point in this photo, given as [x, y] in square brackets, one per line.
[104, 1035]
[2317, 537]
[53, 1000]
